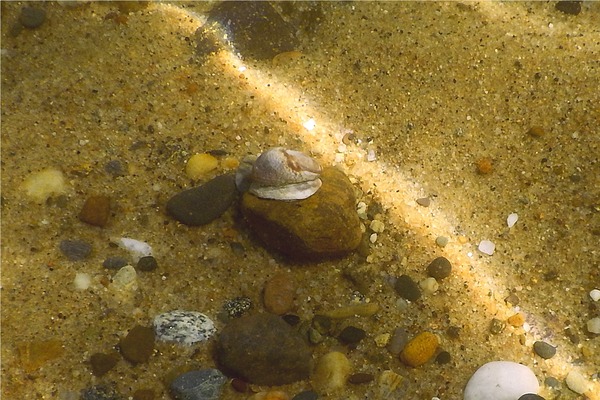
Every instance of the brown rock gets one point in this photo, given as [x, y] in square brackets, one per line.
[95, 211]
[324, 225]
[264, 350]
[278, 294]
[138, 345]
[102, 363]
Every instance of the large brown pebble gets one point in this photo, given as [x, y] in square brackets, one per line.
[325, 225]
[264, 350]
[419, 349]
[138, 345]
[95, 211]
[278, 294]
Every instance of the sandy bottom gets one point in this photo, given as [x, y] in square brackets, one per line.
[427, 90]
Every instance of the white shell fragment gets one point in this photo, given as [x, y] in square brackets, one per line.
[595, 294]
[279, 174]
[512, 219]
[138, 249]
[487, 247]
[185, 327]
[501, 380]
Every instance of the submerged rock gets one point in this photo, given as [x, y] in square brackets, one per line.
[322, 226]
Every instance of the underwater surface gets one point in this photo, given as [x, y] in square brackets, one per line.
[447, 118]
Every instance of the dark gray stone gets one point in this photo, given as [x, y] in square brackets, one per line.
[439, 268]
[147, 264]
[203, 204]
[32, 17]
[407, 288]
[205, 384]
[352, 335]
[264, 350]
[75, 250]
[544, 350]
[114, 263]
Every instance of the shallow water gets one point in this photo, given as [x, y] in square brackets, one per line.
[407, 98]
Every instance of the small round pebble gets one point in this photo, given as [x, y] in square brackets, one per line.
[32, 17]
[205, 384]
[114, 263]
[199, 165]
[138, 345]
[75, 250]
[552, 382]
[443, 358]
[352, 335]
[536, 131]
[82, 281]
[185, 327]
[95, 211]
[146, 264]
[429, 285]
[203, 204]
[407, 288]
[487, 247]
[544, 350]
[439, 268]
[442, 241]
[419, 349]
[501, 380]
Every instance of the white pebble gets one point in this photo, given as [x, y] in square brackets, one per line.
[501, 380]
[593, 325]
[373, 238]
[577, 382]
[487, 247]
[371, 156]
[82, 281]
[429, 285]
[595, 294]
[138, 249]
[44, 184]
[512, 220]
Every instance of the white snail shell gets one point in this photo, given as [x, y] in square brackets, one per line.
[279, 174]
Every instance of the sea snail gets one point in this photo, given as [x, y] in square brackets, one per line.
[279, 174]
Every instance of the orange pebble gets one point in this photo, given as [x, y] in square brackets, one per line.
[420, 349]
[484, 166]
[516, 320]
[536, 131]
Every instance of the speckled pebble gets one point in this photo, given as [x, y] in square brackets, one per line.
[439, 268]
[497, 326]
[331, 373]
[146, 264]
[75, 250]
[138, 345]
[407, 288]
[544, 350]
[205, 384]
[203, 204]
[95, 210]
[101, 392]
[32, 17]
[235, 308]
[501, 380]
[114, 263]
[351, 335]
[419, 349]
[185, 327]
[278, 293]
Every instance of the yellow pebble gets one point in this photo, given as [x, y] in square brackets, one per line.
[516, 320]
[41, 185]
[420, 349]
[199, 165]
[230, 163]
[331, 373]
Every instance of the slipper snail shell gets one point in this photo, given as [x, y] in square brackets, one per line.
[279, 174]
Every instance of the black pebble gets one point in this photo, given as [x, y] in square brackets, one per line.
[407, 288]
[360, 377]
[32, 17]
[544, 350]
[352, 335]
[114, 263]
[203, 204]
[569, 7]
[531, 396]
[147, 264]
[291, 319]
[75, 250]
[439, 268]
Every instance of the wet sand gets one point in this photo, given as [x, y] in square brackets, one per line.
[429, 90]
